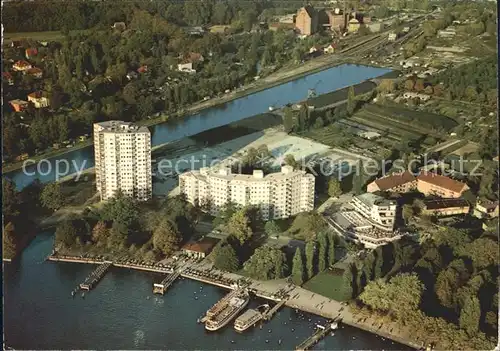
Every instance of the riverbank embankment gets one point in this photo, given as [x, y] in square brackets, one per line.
[298, 298]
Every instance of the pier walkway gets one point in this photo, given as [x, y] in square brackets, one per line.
[95, 276]
[165, 283]
[269, 314]
[319, 334]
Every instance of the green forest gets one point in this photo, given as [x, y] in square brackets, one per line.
[444, 290]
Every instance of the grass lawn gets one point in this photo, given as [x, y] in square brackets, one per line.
[327, 284]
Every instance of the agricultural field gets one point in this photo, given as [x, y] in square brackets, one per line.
[339, 136]
[396, 123]
[415, 119]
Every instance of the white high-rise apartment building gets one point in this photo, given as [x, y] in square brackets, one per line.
[123, 159]
[278, 195]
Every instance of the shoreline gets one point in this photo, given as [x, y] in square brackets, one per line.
[274, 79]
[302, 303]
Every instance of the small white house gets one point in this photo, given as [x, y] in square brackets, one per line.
[186, 67]
[412, 95]
[330, 49]
[314, 49]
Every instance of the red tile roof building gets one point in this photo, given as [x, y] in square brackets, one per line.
[30, 53]
[21, 65]
[429, 183]
[7, 77]
[199, 249]
[397, 182]
[35, 72]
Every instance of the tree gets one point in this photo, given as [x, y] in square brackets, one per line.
[483, 252]
[470, 315]
[409, 84]
[166, 238]
[351, 100]
[322, 252]
[9, 241]
[358, 179]
[310, 252]
[66, 233]
[297, 268]
[10, 198]
[401, 295]
[446, 287]
[121, 209]
[271, 228]
[334, 188]
[348, 281]
[407, 212]
[100, 232]
[290, 161]
[303, 117]
[387, 86]
[225, 258]
[318, 123]
[288, 119]
[331, 249]
[239, 226]
[52, 196]
[266, 263]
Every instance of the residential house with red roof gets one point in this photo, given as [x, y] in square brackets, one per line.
[430, 183]
[30, 53]
[7, 77]
[142, 69]
[199, 249]
[18, 105]
[402, 182]
[38, 99]
[35, 72]
[21, 66]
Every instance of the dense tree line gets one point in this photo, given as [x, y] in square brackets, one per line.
[18, 228]
[122, 226]
[474, 82]
[451, 278]
[49, 15]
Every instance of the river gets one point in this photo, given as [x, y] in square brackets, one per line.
[323, 82]
[122, 313]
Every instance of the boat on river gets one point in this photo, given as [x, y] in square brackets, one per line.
[250, 318]
[227, 311]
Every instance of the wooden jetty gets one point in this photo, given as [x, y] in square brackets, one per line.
[95, 276]
[269, 314]
[319, 334]
[160, 288]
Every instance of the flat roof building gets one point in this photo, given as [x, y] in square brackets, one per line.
[278, 195]
[445, 207]
[122, 160]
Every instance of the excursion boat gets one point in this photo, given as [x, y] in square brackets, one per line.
[250, 318]
[234, 305]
